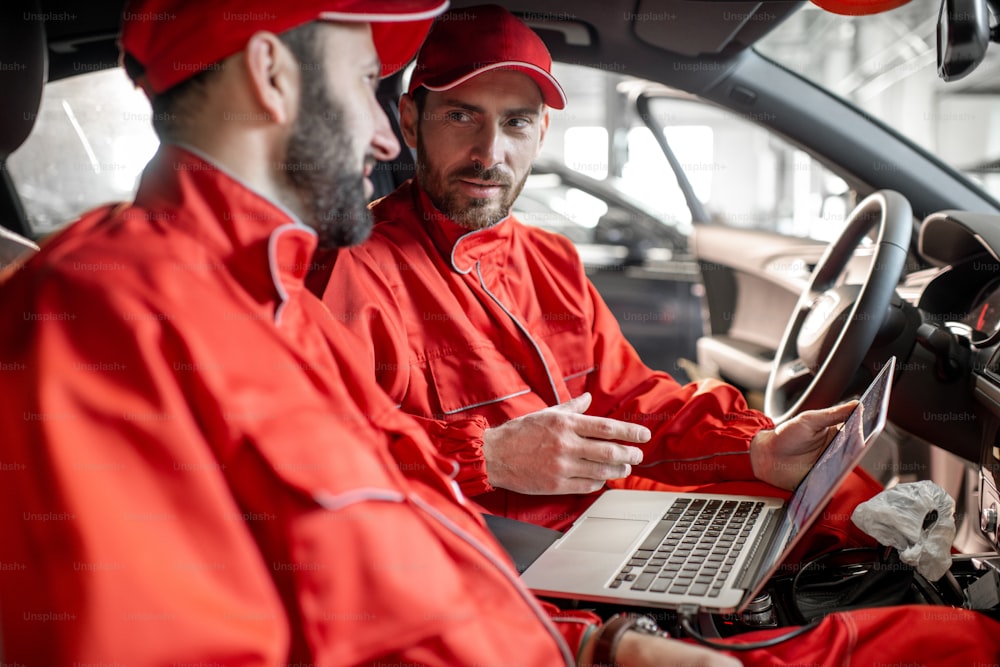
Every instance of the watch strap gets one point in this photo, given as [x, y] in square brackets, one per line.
[606, 644]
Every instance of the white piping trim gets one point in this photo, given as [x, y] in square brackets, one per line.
[507, 64]
[272, 261]
[572, 619]
[489, 402]
[383, 18]
[580, 374]
[454, 247]
[505, 570]
[698, 458]
[524, 330]
[340, 501]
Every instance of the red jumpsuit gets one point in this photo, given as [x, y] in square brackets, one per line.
[196, 469]
[194, 472]
[503, 321]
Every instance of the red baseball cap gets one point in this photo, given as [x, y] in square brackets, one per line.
[467, 42]
[858, 7]
[175, 39]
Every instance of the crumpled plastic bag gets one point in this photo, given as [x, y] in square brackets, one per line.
[897, 517]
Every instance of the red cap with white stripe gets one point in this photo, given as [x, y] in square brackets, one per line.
[464, 43]
[175, 39]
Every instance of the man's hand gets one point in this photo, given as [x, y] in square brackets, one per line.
[561, 450]
[637, 650]
[784, 455]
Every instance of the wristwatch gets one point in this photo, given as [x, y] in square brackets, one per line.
[606, 644]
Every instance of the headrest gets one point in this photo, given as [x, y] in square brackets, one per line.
[23, 70]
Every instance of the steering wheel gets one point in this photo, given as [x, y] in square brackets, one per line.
[833, 324]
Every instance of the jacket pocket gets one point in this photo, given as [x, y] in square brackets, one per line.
[472, 378]
[573, 351]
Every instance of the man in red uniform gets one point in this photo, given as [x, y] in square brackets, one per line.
[196, 468]
[471, 314]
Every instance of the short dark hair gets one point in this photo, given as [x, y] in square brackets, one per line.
[172, 108]
[419, 97]
[305, 45]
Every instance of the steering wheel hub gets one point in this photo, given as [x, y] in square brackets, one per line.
[827, 316]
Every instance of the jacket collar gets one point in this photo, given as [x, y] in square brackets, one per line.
[260, 242]
[459, 246]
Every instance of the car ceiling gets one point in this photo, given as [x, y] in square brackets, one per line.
[82, 35]
[688, 29]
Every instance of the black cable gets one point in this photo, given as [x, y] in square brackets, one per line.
[861, 567]
[686, 616]
[866, 577]
[886, 558]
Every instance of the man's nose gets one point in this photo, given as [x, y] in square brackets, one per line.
[488, 148]
[385, 145]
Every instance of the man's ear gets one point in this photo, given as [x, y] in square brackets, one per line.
[275, 78]
[409, 117]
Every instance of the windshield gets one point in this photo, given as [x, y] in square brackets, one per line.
[886, 65]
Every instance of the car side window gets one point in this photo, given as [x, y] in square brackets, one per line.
[742, 174]
[90, 142]
[747, 176]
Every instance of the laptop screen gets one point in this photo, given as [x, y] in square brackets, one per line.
[844, 451]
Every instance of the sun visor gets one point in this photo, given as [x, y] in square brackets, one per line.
[723, 27]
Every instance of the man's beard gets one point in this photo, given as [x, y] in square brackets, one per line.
[469, 213]
[317, 164]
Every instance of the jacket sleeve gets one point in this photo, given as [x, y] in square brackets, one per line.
[462, 442]
[358, 296]
[572, 625]
[700, 431]
[128, 546]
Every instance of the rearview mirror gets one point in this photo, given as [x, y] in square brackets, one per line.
[963, 32]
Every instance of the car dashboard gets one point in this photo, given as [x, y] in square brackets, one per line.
[962, 299]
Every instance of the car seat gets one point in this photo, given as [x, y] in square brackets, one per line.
[23, 51]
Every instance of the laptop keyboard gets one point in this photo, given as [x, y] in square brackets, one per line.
[692, 549]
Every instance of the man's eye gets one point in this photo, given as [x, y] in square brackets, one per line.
[457, 116]
[519, 122]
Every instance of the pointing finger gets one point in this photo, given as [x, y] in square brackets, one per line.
[610, 453]
[604, 428]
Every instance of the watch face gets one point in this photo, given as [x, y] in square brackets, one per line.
[647, 626]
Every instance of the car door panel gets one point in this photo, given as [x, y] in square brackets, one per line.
[752, 281]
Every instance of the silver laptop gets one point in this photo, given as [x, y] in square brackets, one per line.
[662, 549]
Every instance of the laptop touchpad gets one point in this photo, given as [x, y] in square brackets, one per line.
[604, 535]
